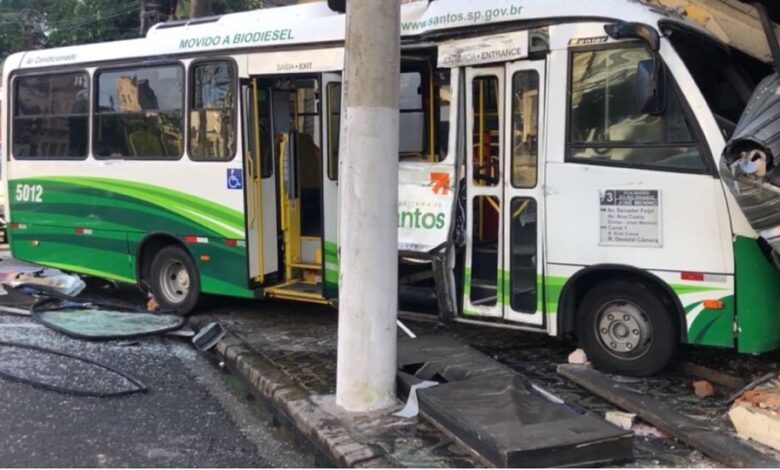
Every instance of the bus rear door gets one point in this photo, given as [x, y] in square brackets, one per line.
[262, 226]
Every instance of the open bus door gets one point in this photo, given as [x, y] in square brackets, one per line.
[261, 197]
[331, 124]
[291, 117]
[504, 252]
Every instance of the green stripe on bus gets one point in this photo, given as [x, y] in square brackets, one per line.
[143, 200]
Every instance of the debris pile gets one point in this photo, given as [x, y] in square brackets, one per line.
[53, 299]
[714, 443]
[66, 284]
[756, 414]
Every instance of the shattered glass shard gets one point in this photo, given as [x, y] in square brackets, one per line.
[98, 324]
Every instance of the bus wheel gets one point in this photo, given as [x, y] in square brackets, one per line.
[624, 327]
[174, 280]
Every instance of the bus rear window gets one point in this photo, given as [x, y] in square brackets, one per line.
[139, 113]
[51, 116]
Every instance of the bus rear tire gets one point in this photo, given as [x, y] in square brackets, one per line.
[174, 280]
[625, 328]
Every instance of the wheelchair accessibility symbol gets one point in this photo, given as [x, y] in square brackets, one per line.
[235, 178]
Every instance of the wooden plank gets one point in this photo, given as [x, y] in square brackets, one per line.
[726, 449]
[714, 376]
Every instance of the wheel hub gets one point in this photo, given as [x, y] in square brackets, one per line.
[624, 329]
[174, 281]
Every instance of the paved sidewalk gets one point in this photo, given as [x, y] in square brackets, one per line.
[287, 350]
[288, 356]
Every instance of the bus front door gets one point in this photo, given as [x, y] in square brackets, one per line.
[504, 264]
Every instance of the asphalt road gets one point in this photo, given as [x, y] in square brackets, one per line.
[194, 415]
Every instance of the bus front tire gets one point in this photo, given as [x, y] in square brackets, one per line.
[175, 282]
[625, 328]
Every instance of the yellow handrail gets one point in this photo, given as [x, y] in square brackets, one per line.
[256, 180]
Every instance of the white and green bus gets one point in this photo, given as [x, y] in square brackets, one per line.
[558, 168]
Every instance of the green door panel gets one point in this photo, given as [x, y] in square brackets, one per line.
[758, 298]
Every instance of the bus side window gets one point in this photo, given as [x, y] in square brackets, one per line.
[212, 115]
[412, 126]
[51, 116]
[487, 125]
[525, 128]
[607, 126]
[424, 120]
[140, 113]
[443, 93]
[425, 112]
[266, 138]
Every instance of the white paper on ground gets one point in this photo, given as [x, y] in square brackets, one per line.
[412, 407]
[406, 329]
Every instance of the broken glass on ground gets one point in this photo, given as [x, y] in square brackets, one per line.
[101, 324]
[63, 372]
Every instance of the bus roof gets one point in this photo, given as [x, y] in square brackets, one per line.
[315, 23]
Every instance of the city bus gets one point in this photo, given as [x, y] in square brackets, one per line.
[558, 169]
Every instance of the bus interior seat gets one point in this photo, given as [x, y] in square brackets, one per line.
[144, 142]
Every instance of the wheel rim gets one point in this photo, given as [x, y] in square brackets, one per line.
[174, 281]
[624, 329]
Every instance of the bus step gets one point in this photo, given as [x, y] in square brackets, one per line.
[298, 290]
[307, 266]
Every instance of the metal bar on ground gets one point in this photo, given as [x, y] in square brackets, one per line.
[714, 376]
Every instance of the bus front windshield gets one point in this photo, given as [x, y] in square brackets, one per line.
[725, 76]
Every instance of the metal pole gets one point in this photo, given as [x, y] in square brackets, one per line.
[769, 32]
[368, 224]
[200, 8]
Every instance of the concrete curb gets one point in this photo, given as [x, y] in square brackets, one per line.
[296, 406]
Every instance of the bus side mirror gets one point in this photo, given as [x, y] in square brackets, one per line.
[650, 87]
[650, 81]
[630, 30]
[339, 6]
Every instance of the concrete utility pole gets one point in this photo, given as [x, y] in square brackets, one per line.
[368, 225]
[200, 8]
[156, 11]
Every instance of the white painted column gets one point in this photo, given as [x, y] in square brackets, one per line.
[368, 223]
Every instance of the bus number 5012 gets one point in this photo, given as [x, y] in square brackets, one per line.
[29, 193]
